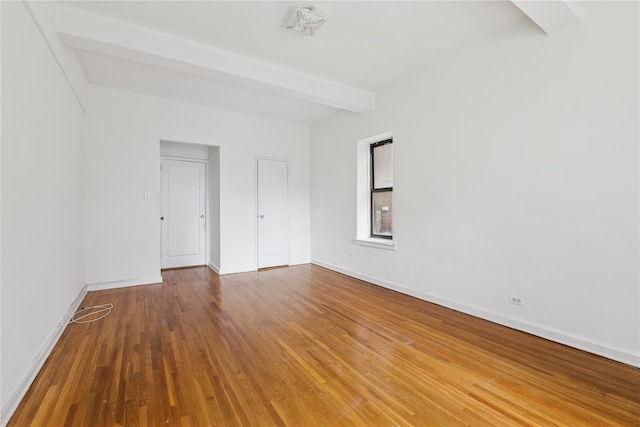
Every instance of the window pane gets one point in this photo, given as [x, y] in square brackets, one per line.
[382, 213]
[383, 166]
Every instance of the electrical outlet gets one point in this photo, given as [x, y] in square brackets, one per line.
[516, 300]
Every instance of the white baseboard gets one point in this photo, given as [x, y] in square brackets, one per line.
[609, 351]
[237, 269]
[300, 261]
[214, 267]
[101, 286]
[248, 268]
[38, 361]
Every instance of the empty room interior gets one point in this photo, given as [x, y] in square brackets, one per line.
[320, 213]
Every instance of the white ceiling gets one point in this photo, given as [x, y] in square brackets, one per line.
[365, 45]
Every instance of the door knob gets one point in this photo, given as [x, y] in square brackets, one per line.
[161, 218]
[261, 216]
[202, 216]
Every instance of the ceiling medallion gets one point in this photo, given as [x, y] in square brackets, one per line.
[305, 21]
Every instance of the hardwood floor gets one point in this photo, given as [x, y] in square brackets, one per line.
[304, 346]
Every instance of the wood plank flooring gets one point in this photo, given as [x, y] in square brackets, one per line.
[304, 346]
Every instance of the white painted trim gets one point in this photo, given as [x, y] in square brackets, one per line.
[376, 138]
[38, 361]
[300, 261]
[207, 213]
[238, 269]
[63, 59]
[10, 402]
[214, 267]
[250, 268]
[619, 354]
[376, 243]
[184, 159]
[124, 283]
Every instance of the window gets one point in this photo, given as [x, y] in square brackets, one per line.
[374, 189]
[381, 204]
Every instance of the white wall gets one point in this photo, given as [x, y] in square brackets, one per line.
[2, 404]
[122, 134]
[516, 173]
[214, 207]
[42, 201]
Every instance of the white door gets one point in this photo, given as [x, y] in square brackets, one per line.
[183, 213]
[273, 221]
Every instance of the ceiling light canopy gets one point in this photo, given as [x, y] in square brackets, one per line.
[305, 21]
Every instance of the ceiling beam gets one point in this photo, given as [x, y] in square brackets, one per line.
[551, 16]
[100, 34]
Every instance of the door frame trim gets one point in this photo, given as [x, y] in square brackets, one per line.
[183, 159]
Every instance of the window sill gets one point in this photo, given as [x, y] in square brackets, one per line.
[376, 243]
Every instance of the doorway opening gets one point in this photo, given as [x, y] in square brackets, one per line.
[190, 205]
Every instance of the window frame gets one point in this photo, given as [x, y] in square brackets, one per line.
[373, 190]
